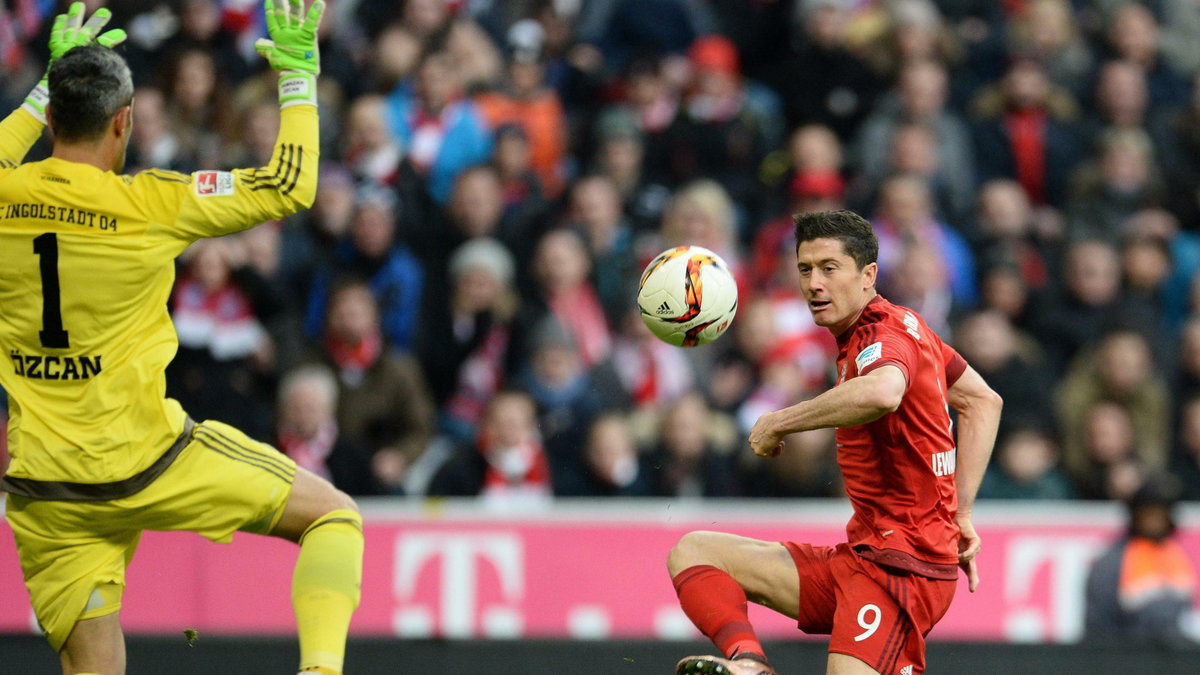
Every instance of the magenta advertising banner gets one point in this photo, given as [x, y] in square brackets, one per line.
[591, 570]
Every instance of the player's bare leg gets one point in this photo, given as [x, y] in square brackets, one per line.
[95, 647]
[844, 664]
[715, 575]
[326, 585]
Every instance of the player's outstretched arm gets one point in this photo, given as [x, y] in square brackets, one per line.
[857, 401]
[21, 129]
[215, 202]
[978, 419]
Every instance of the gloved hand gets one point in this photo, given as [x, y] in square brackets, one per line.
[293, 43]
[68, 32]
[292, 48]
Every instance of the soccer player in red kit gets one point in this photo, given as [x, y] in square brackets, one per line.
[878, 594]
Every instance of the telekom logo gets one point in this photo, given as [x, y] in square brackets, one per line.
[1061, 563]
[461, 556]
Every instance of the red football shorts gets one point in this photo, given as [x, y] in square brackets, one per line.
[878, 616]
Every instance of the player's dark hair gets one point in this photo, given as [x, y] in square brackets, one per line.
[856, 234]
[88, 85]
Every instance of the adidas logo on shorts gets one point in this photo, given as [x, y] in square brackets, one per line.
[906, 670]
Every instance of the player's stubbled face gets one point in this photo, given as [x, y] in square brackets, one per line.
[836, 290]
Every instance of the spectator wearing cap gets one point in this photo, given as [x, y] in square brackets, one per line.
[463, 344]
[820, 80]
[442, 132]
[723, 136]
[620, 153]
[373, 253]
[1141, 589]
[654, 99]
[526, 101]
[773, 250]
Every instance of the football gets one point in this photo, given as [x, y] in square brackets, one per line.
[687, 296]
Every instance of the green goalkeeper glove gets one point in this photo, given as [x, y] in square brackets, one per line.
[292, 49]
[68, 32]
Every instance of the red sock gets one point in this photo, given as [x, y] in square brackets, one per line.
[717, 605]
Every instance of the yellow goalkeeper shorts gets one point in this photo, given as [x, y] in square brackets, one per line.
[74, 553]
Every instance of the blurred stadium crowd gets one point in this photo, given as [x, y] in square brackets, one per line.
[455, 314]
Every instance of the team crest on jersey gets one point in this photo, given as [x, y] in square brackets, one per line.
[869, 355]
[213, 183]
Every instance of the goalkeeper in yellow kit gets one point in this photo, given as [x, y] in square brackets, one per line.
[99, 453]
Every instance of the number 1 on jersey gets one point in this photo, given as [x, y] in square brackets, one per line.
[52, 334]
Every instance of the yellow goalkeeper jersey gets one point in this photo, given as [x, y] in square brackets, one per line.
[86, 268]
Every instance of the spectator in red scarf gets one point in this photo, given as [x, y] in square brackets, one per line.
[653, 372]
[383, 402]
[223, 348]
[561, 267]
[463, 345]
[506, 465]
[724, 134]
[307, 431]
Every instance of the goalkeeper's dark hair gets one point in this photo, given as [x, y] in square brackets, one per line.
[88, 85]
[856, 234]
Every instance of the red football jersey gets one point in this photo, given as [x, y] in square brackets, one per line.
[899, 469]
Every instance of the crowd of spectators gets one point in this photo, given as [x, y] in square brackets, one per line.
[455, 314]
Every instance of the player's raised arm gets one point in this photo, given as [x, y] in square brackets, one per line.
[20, 130]
[856, 401]
[978, 419]
[219, 202]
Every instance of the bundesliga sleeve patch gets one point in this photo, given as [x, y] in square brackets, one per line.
[869, 355]
[213, 183]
